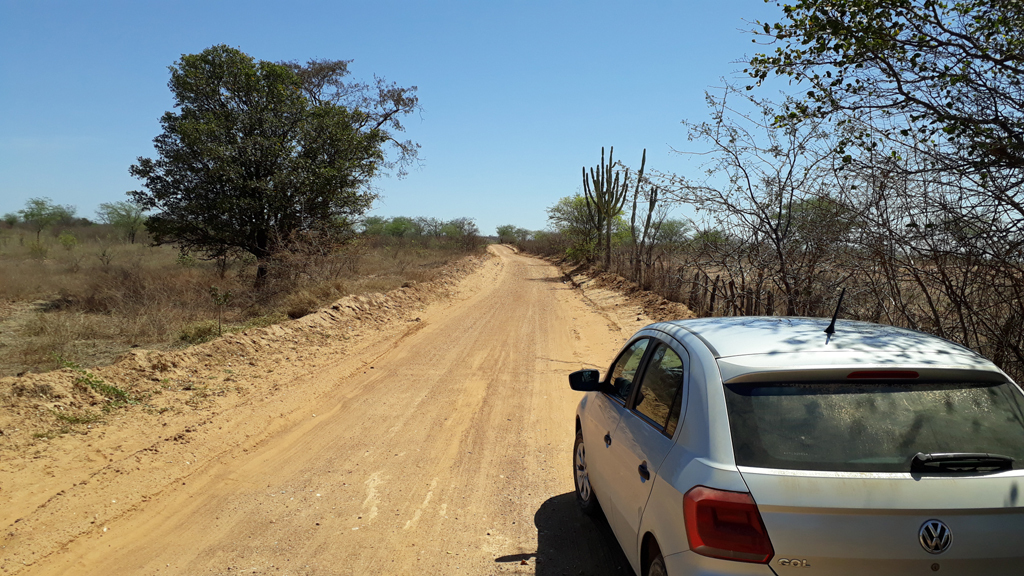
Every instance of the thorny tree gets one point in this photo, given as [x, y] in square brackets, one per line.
[931, 97]
[776, 196]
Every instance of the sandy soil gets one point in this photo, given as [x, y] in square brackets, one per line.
[427, 431]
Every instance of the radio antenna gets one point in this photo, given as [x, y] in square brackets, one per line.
[832, 327]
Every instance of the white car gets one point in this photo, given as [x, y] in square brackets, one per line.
[763, 445]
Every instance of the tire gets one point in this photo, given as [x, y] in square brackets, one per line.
[657, 567]
[585, 496]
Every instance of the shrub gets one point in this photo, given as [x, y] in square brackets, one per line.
[300, 303]
[67, 240]
[38, 250]
[198, 332]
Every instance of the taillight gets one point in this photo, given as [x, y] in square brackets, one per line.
[725, 525]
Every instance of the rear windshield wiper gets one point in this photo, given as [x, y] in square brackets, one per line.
[960, 462]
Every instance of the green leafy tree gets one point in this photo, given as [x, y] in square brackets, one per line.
[709, 238]
[381, 104]
[460, 228]
[67, 240]
[126, 217]
[574, 219]
[11, 219]
[928, 95]
[509, 233]
[463, 231]
[930, 70]
[251, 161]
[41, 213]
[374, 225]
[506, 233]
[403, 227]
[673, 234]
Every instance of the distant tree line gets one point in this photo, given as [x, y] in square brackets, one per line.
[461, 232]
[406, 227]
[39, 214]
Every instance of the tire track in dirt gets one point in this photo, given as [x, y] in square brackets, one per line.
[446, 450]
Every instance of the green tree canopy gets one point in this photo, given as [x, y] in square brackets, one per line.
[570, 216]
[673, 233]
[40, 213]
[250, 160]
[374, 225]
[403, 226]
[382, 104]
[508, 233]
[126, 217]
[463, 228]
[930, 70]
[574, 219]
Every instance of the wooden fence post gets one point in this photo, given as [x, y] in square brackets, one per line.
[714, 294]
[694, 288]
[731, 304]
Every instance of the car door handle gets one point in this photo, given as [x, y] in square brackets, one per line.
[644, 472]
[607, 440]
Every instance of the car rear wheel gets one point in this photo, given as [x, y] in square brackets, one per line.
[584, 492]
[657, 567]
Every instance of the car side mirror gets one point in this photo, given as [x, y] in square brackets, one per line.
[585, 380]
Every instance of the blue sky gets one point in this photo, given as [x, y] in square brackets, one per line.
[517, 96]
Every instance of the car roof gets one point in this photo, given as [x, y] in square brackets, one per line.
[753, 348]
[749, 347]
[741, 335]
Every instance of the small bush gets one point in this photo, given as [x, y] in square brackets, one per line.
[67, 240]
[38, 251]
[198, 332]
[300, 303]
[186, 260]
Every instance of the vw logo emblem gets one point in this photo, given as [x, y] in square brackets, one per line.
[935, 537]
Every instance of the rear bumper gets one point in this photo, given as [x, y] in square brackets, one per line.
[690, 564]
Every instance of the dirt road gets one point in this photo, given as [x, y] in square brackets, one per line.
[444, 448]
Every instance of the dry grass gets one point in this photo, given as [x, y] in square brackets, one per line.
[90, 302]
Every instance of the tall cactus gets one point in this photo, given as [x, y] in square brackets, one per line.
[606, 191]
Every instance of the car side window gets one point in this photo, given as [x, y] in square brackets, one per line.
[660, 397]
[624, 369]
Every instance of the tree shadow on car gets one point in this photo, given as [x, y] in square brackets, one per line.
[570, 542]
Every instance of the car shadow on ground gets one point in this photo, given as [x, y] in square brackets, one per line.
[570, 542]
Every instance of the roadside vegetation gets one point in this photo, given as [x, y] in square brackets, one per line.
[85, 293]
[252, 211]
[894, 172]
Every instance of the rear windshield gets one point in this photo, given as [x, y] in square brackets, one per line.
[875, 427]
